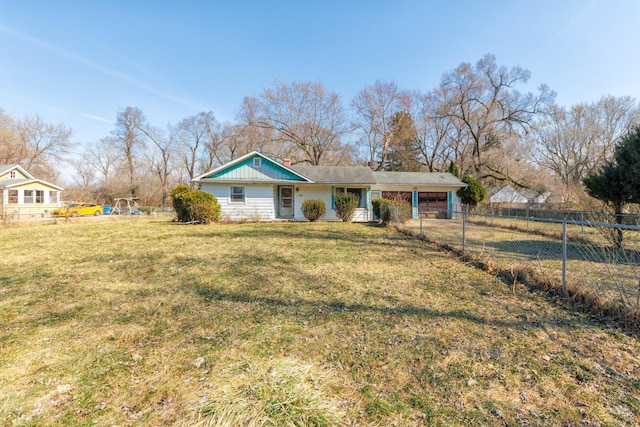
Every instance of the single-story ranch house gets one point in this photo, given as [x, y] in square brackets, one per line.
[23, 195]
[257, 187]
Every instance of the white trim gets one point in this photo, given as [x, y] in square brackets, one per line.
[203, 178]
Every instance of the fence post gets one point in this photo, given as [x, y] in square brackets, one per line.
[420, 216]
[464, 229]
[564, 256]
[397, 215]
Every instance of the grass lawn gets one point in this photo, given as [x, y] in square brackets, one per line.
[147, 322]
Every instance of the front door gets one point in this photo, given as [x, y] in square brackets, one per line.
[286, 202]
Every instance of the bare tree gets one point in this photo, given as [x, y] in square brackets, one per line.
[197, 135]
[374, 108]
[103, 157]
[127, 137]
[304, 120]
[33, 143]
[435, 132]
[572, 143]
[487, 108]
[160, 158]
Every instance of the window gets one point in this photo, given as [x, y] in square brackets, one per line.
[13, 174]
[360, 192]
[237, 194]
[28, 196]
[257, 162]
[53, 197]
[39, 196]
[432, 199]
[13, 196]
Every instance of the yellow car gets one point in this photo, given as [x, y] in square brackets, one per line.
[77, 209]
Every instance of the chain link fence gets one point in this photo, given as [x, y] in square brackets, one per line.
[583, 252]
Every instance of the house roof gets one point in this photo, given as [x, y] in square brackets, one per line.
[7, 168]
[16, 182]
[336, 174]
[443, 179]
[241, 170]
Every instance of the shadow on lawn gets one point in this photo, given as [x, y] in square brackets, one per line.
[299, 306]
[334, 231]
[547, 250]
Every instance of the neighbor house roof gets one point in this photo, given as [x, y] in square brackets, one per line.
[336, 174]
[443, 179]
[16, 182]
[7, 168]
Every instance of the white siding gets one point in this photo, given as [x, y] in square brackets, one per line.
[318, 192]
[315, 192]
[258, 205]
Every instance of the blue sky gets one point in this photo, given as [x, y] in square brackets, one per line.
[80, 62]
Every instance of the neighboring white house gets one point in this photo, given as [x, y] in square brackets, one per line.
[259, 188]
[507, 195]
[24, 195]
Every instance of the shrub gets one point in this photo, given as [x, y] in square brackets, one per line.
[398, 211]
[178, 195]
[376, 204]
[195, 206]
[473, 193]
[202, 207]
[313, 209]
[346, 204]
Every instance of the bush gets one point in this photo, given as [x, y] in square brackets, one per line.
[473, 193]
[346, 204]
[202, 207]
[376, 205]
[394, 211]
[313, 209]
[195, 206]
[178, 195]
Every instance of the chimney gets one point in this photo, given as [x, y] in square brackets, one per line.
[287, 162]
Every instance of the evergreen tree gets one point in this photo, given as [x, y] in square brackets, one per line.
[617, 183]
[473, 193]
[453, 169]
[403, 147]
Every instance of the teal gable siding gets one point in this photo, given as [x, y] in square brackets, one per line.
[267, 171]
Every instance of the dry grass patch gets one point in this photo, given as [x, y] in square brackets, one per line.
[147, 322]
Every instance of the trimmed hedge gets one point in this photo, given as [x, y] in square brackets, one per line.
[392, 210]
[195, 205]
[346, 204]
[313, 209]
[376, 205]
[178, 195]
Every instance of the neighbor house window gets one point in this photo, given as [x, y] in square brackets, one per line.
[28, 196]
[359, 192]
[237, 194]
[13, 196]
[257, 162]
[53, 197]
[39, 196]
[12, 174]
